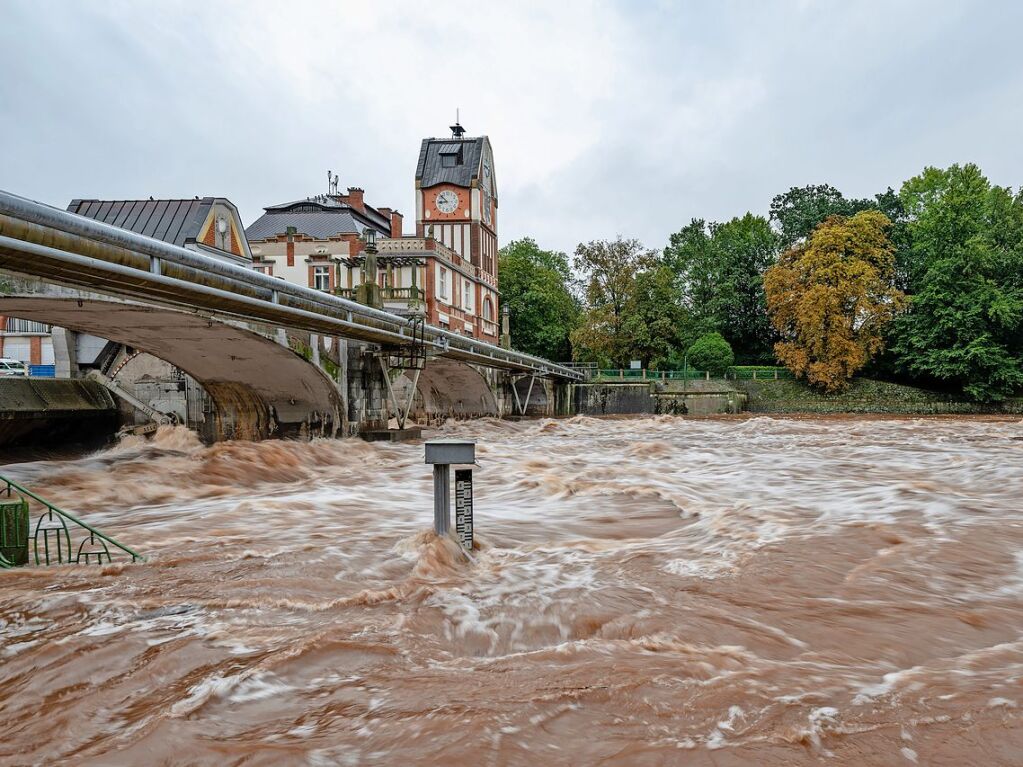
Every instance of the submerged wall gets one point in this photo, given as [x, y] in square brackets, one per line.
[47, 411]
[656, 397]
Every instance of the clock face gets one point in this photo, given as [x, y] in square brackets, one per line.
[447, 201]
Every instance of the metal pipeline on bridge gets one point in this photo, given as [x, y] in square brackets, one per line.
[95, 256]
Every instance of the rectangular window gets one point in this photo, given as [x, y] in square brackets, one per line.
[467, 295]
[442, 284]
[321, 278]
[15, 325]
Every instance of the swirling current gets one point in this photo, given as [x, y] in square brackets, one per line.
[645, 591]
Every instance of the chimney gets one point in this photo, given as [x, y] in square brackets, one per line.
[290, 247]
[355, 244]
[395, 218]
[354, 198]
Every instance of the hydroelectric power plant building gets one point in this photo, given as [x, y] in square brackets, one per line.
[445, 272]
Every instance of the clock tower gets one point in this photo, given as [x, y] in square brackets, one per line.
[456, 195]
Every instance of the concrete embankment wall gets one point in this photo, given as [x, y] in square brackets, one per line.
[656, 397]
[863, 396]
[43, 411]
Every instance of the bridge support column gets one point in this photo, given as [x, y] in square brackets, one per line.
[366, 390]
[65, 352]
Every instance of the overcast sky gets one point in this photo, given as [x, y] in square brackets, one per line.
[605, 117]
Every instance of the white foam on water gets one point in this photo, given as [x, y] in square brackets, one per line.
[1001, 703]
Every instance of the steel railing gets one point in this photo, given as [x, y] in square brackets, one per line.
[52, 524]
[67, 249]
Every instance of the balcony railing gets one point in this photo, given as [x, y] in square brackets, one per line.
[387, 294]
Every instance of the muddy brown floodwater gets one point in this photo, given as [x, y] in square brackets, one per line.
[653, 591]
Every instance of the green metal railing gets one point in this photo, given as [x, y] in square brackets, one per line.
[52, 526]
[738, 373]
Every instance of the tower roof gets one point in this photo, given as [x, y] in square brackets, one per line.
[432, 170]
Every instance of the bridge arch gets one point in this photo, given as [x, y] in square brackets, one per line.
[259, 388]
[449, 388]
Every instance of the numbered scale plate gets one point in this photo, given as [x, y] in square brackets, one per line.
[463, 507]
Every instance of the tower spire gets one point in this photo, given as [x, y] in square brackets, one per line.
[457, 131]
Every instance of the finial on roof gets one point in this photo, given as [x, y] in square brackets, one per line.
[457, 131]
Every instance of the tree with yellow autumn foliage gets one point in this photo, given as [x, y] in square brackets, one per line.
[831, 296]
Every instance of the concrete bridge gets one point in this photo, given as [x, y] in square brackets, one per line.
[229, 328]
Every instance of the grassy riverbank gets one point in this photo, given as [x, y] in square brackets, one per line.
[863, 396]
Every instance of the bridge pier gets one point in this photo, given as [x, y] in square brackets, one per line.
[367, 405]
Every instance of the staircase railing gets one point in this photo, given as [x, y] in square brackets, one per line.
[52, 525]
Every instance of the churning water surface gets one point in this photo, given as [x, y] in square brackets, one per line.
[649, 591]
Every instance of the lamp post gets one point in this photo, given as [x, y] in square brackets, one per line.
[369, 291]
[505, 327]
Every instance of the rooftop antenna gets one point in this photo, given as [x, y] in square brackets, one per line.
[332, 183]
[457, 131]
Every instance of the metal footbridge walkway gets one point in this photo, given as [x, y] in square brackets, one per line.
[55, 246]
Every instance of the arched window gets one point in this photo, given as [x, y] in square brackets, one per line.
[488, 309]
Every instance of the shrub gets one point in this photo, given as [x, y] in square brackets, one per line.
[711, 352]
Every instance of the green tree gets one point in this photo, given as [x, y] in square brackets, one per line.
[831, 298]
[656, 324]
[536, 286]
[965, 324]
[747, 247]
[691, 255]
[711, 352]
[800, 210]
[608, 269]
[720, 279]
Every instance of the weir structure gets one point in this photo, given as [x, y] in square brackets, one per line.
[235, 331]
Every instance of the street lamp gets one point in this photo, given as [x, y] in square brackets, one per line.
[369, 292]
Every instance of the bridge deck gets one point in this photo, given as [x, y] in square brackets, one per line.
[65, 249]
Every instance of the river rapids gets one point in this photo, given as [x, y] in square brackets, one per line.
[646, 591]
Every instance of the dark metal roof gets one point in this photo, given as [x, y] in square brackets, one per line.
[430, 171]
[320, 217]
[173, 221]
[323, 202]
[319, 226]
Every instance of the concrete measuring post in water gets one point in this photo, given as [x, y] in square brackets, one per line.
[442, 453]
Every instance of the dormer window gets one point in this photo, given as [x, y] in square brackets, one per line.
[450, 155]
